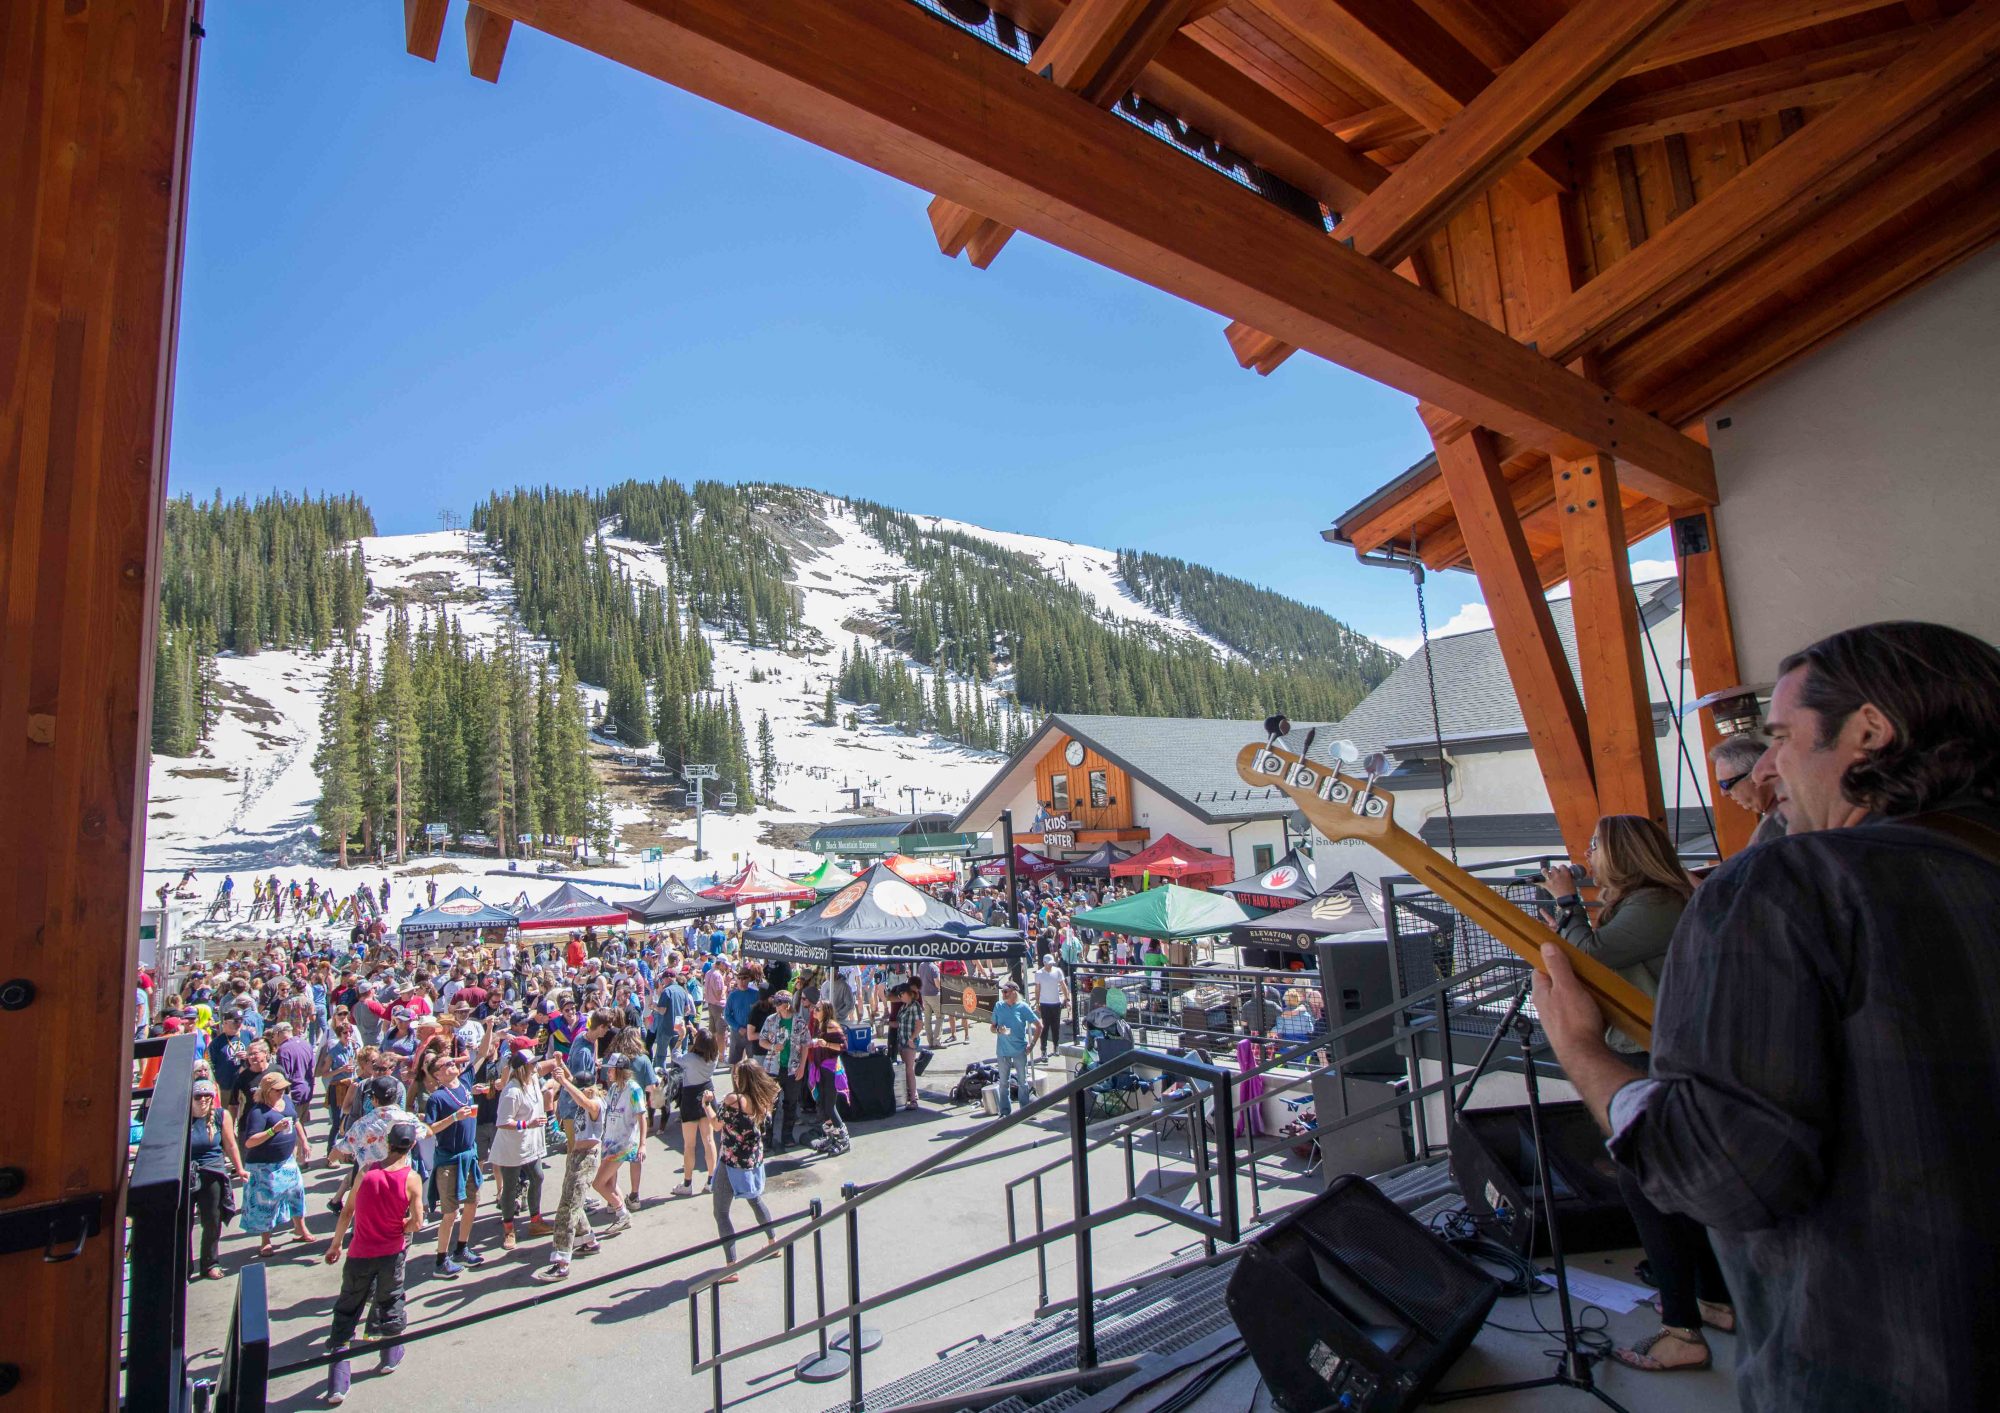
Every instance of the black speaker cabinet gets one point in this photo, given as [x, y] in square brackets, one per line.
[1493, 1162]
[1355, 968]
[1350, 1303]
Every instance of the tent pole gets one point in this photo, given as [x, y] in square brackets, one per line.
[1015, 968]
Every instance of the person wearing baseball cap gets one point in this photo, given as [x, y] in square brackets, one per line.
[1018, 1027]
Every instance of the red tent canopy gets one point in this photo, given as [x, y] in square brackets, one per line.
[920, 873]
[757, 884]
[569, 906]
[1175, 858]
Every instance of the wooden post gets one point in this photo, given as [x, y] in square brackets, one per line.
[1711, 651]
[94, 123]
[1624, 762]
[1536, 663]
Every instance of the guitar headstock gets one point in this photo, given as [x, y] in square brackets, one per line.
[1342, 801]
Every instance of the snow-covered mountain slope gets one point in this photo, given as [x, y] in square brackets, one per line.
[1085, 567]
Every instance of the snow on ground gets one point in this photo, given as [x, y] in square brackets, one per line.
[245, 805]
[1093, 570]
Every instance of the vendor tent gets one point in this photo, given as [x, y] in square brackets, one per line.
[461, 910]
[1290, 881]
[829, 877]
[1097, 863]
[1342, 908]
[919, 872]
[1169, 912]
[570, 906]
[1027, 864]
[673, 901]
[880, 917]
[757, 884]
[1171, 857]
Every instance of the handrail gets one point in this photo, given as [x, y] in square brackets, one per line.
[159, 1208]
[1318, 1041]
[1090, 1079]
[245, 1381]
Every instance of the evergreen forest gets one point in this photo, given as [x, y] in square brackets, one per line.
[241, 576]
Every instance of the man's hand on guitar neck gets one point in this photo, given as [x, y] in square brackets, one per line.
[1574, 1024]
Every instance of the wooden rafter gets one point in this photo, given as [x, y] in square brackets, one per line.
[423, 27]
[1711, 638]
[1783, 188]
[1396, 48]
[1526, 631]
[891, 87]
[1095, 50]
[1530, 101]
[486, 41]
[1731, 24]
[1810, 80]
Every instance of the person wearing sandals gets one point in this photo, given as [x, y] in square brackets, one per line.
[742, 1145]
[1644, 892]
[213, 1159]
[274, 1142]
[573, 1232]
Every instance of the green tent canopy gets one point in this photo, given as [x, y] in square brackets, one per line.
[829, 877]
[1169, 912]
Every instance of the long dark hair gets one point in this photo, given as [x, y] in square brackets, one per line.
[1940, 690]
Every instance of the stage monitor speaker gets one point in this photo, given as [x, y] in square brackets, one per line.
[1355, 968]
[1350, 1303]
[1493, 1163]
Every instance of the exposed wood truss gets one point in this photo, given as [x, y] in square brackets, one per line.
[486, 41]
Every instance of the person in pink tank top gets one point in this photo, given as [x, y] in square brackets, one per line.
[384, 1208]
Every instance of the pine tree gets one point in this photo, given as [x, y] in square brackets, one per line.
[339, 776]
[826, 716]
[767, 757]
[400, 741]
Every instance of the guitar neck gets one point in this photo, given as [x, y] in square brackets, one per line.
[1624, 1004]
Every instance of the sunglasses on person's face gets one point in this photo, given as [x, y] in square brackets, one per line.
[1732, 782]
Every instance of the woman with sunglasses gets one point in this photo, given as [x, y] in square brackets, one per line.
[1643, 891]
[212, 1158]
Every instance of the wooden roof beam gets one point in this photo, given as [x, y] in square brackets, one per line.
[1095, 50]
[1533, 98]
[1731, 24]
[1784, 187]
[1954, 154]
[1937, 245]
[1810, 80]
[423, 27]
[890, 86]
[486, 41]
[1398, 50]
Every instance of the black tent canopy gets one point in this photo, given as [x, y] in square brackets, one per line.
[1097, 863]
[1344, 907]
[673, 901]
[881, 917]
[1292, 879]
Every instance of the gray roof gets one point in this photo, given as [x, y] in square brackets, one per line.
[1190, 759]
[1475, 696]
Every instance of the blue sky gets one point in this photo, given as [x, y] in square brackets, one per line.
[408, 283]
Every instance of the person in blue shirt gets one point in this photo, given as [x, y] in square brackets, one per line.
[225, 1051]
[717, 941]
[453, 1119]
[670, 1012]
[1018, 1027]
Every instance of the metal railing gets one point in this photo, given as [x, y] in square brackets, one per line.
[1222, 1223]
[159, 1209]
[1478, 988]
[1180, 1001]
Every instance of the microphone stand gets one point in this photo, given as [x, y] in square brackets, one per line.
[1573, 1368]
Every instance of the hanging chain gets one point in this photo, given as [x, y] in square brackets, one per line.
[1437, 726]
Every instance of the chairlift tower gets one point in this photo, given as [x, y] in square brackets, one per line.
[697, 776]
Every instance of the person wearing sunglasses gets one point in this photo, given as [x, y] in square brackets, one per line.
[1735, 760]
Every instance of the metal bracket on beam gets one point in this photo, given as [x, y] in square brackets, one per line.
[1691, 535]
[57, 1229]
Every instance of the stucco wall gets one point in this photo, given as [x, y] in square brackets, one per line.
[1858, 484]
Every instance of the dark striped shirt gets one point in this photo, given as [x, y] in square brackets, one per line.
[1826, 1055]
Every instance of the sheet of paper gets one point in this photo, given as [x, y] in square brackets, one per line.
[1614, 1295]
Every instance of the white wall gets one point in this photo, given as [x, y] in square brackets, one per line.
[1858, 484]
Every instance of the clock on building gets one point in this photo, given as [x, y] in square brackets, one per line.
[1073, 753]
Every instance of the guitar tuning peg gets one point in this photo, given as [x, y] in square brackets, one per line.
[1277, 725]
